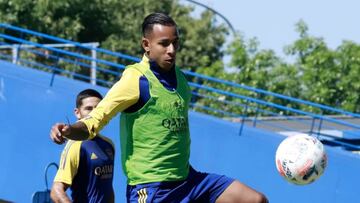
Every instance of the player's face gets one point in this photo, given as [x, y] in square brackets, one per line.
[88, 104]
[161, 45]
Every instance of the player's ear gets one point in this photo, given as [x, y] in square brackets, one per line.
[145, 44]
[77, 113]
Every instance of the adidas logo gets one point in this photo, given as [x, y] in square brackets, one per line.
[93, 156]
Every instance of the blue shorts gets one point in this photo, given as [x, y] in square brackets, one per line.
[198, 187]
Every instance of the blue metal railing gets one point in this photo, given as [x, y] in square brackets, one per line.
[206, 91]
[264, 92]
[51, 56]
[60, 40]
[76, 55]
[265, 103]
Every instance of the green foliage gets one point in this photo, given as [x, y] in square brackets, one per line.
[326, 74]
[202, 41]
[348, 84]
[116, 24]
[318, 73]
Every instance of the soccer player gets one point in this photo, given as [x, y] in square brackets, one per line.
[85, 166]
[153, 96]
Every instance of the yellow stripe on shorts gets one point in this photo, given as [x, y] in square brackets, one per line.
[142, 195]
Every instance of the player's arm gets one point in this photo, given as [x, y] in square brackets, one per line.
[58, 193]
[76, 131]
[121, 96]
[68, 168]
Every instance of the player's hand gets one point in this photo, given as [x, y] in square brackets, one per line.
[58, 132]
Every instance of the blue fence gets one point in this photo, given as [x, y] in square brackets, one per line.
[226, 99]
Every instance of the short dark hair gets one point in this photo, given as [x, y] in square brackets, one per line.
[156, 18]
[85, 94]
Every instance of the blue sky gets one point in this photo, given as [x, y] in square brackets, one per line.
[273, 21]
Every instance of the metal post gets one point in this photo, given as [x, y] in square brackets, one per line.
[319, 128]
[217, 13]
[312, 126]
[15, 54]
[256, 115]
[257, 111]
[93, 65]
[243, 118]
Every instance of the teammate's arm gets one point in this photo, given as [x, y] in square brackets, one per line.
[58, 193]
[68, 168]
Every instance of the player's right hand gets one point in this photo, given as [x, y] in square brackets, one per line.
[58, 132]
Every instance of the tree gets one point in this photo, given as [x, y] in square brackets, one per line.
[348, 62]
[317, 64]
[116, 24]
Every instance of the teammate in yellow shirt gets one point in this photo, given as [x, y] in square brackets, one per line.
[85, 166]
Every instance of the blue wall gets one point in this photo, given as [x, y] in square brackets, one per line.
[29, 106]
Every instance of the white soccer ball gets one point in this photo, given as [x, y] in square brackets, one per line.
[301, 159]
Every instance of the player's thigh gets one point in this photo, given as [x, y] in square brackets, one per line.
[240, 193]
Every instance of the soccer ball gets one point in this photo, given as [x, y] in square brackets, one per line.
[301, 159]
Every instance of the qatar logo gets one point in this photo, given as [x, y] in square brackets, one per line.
[104, 171]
